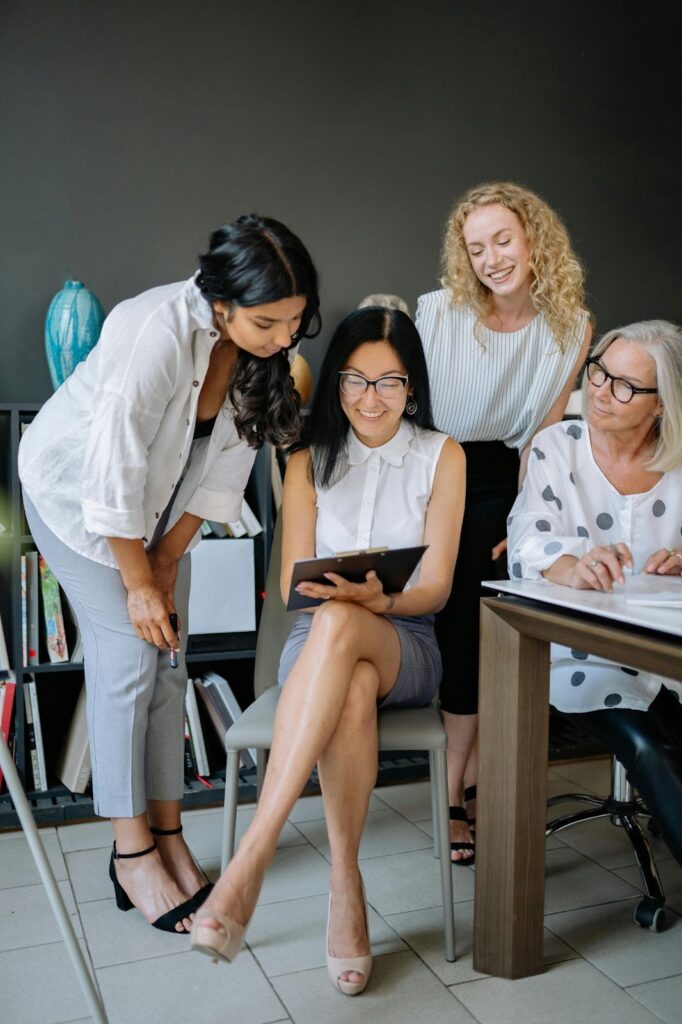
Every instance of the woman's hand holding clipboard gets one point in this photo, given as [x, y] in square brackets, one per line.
[345, 576]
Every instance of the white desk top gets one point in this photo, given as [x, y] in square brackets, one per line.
[610, 606]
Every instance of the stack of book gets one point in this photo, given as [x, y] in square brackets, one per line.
[45, 633]
[7, 690]
[246, 526]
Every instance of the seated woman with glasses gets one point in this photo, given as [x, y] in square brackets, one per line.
[373, 472]
[602, 500]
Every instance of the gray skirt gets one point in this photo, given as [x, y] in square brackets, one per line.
[420, 663]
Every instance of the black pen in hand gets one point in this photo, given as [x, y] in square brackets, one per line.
[173, 619]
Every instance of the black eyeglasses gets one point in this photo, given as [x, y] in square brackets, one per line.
[354, 385]
[622, 390]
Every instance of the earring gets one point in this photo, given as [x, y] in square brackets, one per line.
[411, 406]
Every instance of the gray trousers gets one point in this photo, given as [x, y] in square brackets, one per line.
[136, 701]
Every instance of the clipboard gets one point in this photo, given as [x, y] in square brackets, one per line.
[393, 566]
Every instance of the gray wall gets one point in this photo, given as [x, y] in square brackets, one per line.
[131, 129]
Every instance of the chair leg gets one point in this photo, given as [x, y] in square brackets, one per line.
[434, 809]
[230, 811]
[261, 765]
[54, 896]
[441, 828]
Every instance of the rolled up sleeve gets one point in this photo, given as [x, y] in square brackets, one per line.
[219, 495]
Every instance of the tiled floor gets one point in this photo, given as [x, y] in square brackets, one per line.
[600, 967]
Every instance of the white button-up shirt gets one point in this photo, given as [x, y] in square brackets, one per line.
[105, 453]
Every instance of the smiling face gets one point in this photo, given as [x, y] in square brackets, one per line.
[498, 250]
[263, 330]
[630, 361]
[375, 419]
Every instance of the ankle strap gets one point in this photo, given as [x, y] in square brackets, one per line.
[127, 856]
[166, 831]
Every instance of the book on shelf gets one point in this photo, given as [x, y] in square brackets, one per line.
[54, 617]
[223, 709]
[190, 768]
[35, 735]
[195, 730]
[247, 525]
[250, 520]
[33, 606]
[74, 766]
[7, 690]
[74, 640]
[24, 613]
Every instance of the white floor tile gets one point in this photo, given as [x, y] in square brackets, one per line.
[189, 989]
[26, 917]
[291, 936]
[17, 866]
[573, 881]
[422, 930]
[572, 992]
[115, 937]
[308, 808]
[608, 937]
[385, 832]
[88, 836]
[411, 881]
[89, 874]
[664, 998]
[39, 986]
[412, 800]
[401, 990]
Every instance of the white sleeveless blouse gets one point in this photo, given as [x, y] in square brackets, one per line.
[499, 388]
[382, 498]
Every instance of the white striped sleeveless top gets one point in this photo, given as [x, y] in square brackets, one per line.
[499, 388]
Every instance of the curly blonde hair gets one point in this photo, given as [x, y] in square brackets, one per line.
[556, 288]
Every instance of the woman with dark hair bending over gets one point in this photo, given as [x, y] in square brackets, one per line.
[376, 473]
[154, 432]
[504, 339]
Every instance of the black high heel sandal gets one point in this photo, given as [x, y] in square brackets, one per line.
[459, 814]
[167, 921]
[470, 794]
[201, 894]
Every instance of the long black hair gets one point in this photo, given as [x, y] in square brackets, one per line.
[327, 426]
[253, 261]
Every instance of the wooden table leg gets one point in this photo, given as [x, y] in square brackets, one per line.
[512, 794]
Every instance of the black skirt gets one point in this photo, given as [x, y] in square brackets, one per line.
[492, 484]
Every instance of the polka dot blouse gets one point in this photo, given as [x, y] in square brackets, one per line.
[566, 507]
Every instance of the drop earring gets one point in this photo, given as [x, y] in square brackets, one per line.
[411, 406]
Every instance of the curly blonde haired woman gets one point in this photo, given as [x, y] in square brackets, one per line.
[504, 340]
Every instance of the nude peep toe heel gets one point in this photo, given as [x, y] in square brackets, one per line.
[219, 945]
[336, 965]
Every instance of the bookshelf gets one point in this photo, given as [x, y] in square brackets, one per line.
[58, 684]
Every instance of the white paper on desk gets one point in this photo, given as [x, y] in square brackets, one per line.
[222, 594]
[647, 591]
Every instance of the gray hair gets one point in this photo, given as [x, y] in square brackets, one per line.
[662, 340]
[387, 301]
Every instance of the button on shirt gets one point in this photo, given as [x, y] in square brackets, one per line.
[381, 498]
[102, 456]
[567, 507]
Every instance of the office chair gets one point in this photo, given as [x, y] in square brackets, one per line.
[399, 729]
[623, 808]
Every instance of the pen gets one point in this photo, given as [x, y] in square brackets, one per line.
[173, 619]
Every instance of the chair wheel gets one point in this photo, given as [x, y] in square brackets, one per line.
[650, 914]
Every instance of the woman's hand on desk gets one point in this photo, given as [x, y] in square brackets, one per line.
[665, 562]
[599, 569]
[369, 594]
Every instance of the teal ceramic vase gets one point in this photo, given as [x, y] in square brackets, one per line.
[72, 327]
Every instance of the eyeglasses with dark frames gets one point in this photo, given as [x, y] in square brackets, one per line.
[622, 390]
[354, 385]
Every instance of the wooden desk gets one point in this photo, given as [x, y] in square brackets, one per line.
[516, 630]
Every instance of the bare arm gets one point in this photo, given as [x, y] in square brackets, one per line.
[300, 516]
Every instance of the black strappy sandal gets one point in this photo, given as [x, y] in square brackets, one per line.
[201, 894]
[470, 794]
[167, 921]
[459, 814]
